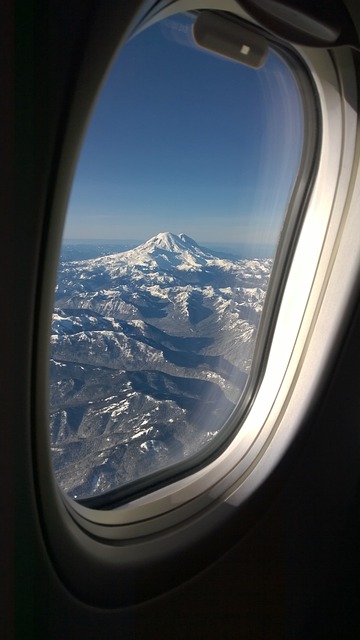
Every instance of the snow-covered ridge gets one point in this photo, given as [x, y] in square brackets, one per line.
[165, 251]
[150, 352]
[170, 242]
[170, 279]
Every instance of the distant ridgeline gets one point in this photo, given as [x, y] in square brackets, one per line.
[150, 351]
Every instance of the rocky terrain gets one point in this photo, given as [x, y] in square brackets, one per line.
[150, 353]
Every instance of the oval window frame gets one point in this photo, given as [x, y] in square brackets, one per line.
[124, 544]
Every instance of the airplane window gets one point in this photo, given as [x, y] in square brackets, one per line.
[177, 207]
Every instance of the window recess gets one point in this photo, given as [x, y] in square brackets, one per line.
[190, 185]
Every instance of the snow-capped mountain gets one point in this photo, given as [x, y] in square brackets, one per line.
[167, 249]
[151, 349]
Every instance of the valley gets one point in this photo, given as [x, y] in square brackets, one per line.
[150, 352]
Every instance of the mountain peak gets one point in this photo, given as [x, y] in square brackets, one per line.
[170, 242]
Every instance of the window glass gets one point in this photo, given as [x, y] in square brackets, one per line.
[177, 205]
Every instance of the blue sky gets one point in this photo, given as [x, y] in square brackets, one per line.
[182, 140]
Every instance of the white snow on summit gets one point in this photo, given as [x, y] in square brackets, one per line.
[163, 252]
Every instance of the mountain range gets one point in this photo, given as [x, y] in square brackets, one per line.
[150, 352]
